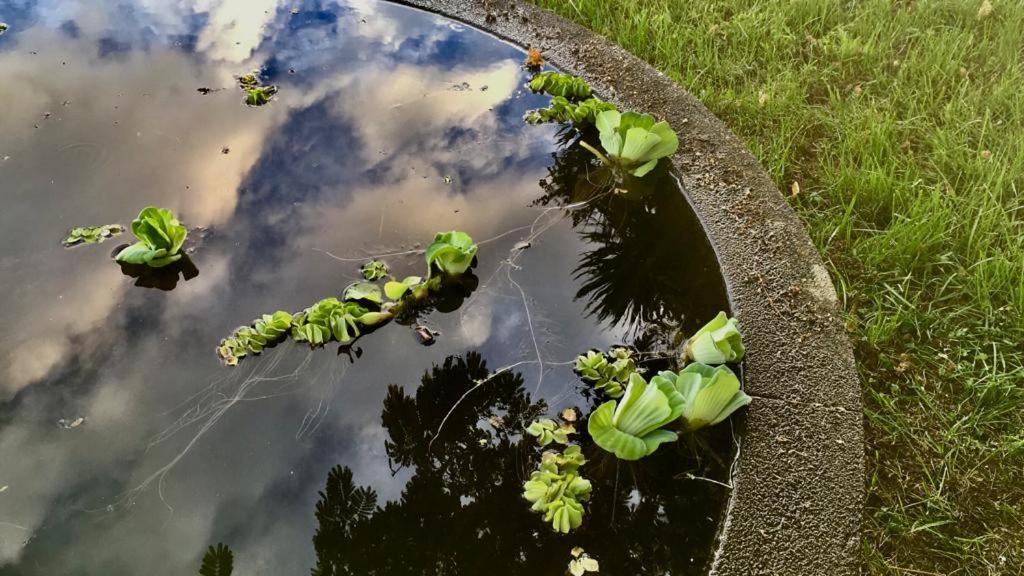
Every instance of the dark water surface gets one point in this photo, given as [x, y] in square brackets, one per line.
[390, 125]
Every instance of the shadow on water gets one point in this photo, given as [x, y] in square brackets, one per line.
[165, 278]
[462, 512]
[648, 253]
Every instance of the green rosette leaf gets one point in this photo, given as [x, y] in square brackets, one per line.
[451, 252]
[711, 394]
[717, 342]
[631, 427]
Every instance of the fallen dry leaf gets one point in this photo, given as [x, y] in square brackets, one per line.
[762, 98]
[794, 189]
[534, 59]
[569, 415]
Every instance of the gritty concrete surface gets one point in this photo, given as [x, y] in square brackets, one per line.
[798, 491]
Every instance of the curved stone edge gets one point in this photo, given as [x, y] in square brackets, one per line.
[798, 491]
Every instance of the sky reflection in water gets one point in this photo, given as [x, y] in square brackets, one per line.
[378, 105]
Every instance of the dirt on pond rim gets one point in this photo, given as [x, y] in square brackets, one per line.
[798, 490]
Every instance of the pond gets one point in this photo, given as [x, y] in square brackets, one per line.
[126, 445]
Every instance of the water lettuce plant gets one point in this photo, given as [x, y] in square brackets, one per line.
[259, 95]
[364, 291]
[609, 372]
[582, 563]
[394, 289]
[335, 319]
[266, 330]
[160, 237]
[632, 141]
[92, 234]
[547, 431]
[632, 427]
[362, 304]
[712, 394]
[451, 252]
[557, 489]
[553, 83]
[562, 111]
[717, 342]
[3, 27]
[374, 270]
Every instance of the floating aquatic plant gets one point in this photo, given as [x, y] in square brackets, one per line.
[609, 372]
[712, 394]
[374, 270]
[717, 342]
[252, 339]
[259, 95]
[582, 562]
[451, 252]
[553, 83]
[363, 291]
[395, 289]
[547, 431]
[362, 304]
[632, 427]
[3, 28]
[92, 234]
[333, 318]
[160, 238]
[632, 142]
[557, 489]
[248, 80]
[562, 111]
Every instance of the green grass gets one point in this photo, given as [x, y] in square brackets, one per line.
[903, 123]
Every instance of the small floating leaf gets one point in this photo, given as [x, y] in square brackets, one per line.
[259, 95]
[717, 342]
[3, 28]
[92, 234]
[374, 270]
[395, 290]
[553, 83]
[363, 291]
[547, 431]
[160, 237]
[248, 80]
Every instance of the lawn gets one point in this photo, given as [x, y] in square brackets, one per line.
[896, 130]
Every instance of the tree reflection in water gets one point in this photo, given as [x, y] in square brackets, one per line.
[649, 254]
[462, 511]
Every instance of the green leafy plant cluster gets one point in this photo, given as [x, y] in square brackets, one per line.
[160, 237]
[268, 329]
[609, 372]
[255, 93]
[3, 27]
[567, 86]
[632, 142]
[557, 490]
[451, 253]
[374, 270]
[547, 431]
[563, 111]
[699, 395]
[92, 234]
[717, 342]
[363, 305]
